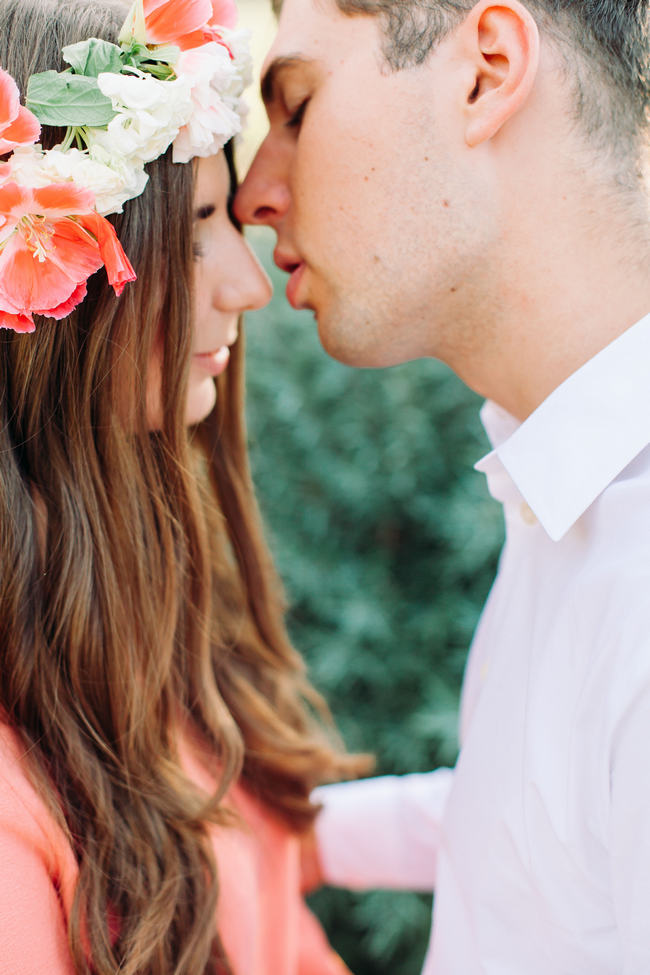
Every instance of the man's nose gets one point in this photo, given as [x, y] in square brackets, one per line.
[263, 197]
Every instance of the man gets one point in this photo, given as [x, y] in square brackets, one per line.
[465, 181]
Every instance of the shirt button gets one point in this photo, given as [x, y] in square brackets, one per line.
[527, 514]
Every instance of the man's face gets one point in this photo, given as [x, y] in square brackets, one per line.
[365, 177]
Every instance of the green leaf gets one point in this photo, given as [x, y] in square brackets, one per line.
[163, 72]
[157, 62]
[92, 57]
[169, 53]
[68, 99]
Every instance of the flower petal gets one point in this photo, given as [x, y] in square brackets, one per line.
[29, 283]
[9, 99]
[64, 309]
[53, 201]
[224, 13]
[118, 267]
[62, 200]
[19, 323]
[24, 130]
[6, 146]
[168, 20]
[73, 251]
[15, 201]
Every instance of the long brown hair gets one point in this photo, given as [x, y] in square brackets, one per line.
[136, 591]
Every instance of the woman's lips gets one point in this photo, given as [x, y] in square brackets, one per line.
[214, 363]
[293, 285]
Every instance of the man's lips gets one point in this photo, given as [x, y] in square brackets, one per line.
[293, 286]
[295, 268]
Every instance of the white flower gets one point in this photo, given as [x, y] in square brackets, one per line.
[129, 179]
[239, 42]
[149, 116]
[212, 74]
[25, 167]
[111, 185]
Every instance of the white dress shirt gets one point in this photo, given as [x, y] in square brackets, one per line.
[538, 843]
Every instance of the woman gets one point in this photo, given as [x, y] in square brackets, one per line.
[158, 743]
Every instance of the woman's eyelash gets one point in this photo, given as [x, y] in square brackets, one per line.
[204, 213]
[296, 118]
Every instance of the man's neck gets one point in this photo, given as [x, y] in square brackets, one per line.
[563, 295]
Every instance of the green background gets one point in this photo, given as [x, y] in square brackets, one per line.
[387, 541]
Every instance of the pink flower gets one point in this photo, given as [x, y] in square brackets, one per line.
[51, 241]
[224, 13]
[167, 21]
[213, 121]
[118, 267]
[18, 127]
[188, 23]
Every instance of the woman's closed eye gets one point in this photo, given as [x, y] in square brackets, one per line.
[201, 214]
[205, 212]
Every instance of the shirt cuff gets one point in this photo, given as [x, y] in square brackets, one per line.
[382, 832]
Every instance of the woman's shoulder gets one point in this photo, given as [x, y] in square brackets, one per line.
[25, 819]
[37, 871]
[17, 793]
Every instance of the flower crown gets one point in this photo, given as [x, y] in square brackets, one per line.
[176, 77]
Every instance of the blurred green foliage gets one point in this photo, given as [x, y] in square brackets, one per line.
[387, 542]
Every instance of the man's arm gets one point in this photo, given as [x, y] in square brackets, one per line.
[381, 832]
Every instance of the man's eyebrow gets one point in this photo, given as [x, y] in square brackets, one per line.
[278, 66]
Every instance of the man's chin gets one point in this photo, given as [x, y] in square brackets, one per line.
[342, 343]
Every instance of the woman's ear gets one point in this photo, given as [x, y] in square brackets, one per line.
[501, 40]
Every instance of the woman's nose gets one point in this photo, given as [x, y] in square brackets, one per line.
[247, 285]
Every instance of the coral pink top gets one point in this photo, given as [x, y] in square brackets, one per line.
[265, 925]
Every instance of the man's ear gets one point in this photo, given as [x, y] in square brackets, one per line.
[501, 42]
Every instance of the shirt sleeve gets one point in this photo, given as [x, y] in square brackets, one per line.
[382, 832]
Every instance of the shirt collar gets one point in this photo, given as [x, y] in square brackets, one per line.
[580, 438]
